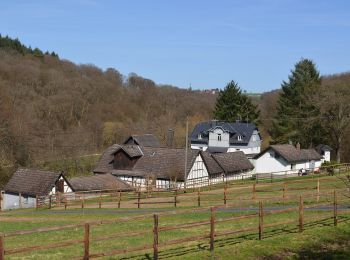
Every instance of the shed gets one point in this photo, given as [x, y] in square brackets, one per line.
[26, 184]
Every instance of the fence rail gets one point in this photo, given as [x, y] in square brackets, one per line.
[261, 215]
[316, 187]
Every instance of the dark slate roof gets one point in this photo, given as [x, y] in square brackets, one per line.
[226, 162]
[163, 163]
[105, 163]
[292, 154]
[235, 129]
[146, 140]
[32, 182]
[323, 147]
[99, 182]
[233, 162]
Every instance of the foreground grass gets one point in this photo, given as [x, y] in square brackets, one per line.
[320, 238]
[284, 239]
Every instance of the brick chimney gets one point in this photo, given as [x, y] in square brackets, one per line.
[170, 138]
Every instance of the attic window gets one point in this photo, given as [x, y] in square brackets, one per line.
[219, 137]
[240, 138]
[199, 136]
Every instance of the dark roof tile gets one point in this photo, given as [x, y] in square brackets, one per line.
[99, 182]
[32, 182]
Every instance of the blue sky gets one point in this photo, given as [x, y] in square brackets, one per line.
[204, 43]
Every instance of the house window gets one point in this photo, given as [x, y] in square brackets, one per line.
[219, 137]
[199, 136]
[239, 138]
[25, 199]
[292, 167]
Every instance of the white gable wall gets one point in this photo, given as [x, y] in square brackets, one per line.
[66, 187]
[215, 141]
[269, 162]
[198, 175]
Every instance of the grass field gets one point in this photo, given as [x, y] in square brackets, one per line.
[320, 238]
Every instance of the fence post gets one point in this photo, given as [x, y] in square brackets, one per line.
[50, 202]
[155, 237]
[318, 189]
[82, 201]
[253, 191]
[261, 220]
[301, 214]
[284, 191]
[138, 199]
[335, 206]
[175, 198]
[212, 228]
[100, 200]
[65, 203]
[119, 199]
[36, 202]
[59, 199]
[271, 177]
[86, 241]
[2, 247]
[225, 194]
[20, 200]
[199, 197]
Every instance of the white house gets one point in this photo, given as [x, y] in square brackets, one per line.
[285, 158]
[26, 184]
[325, 151]
[165, 167]
[218, 136]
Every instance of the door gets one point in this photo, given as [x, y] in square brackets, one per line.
[60, 186]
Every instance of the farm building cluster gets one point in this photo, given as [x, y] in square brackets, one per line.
[218, 152]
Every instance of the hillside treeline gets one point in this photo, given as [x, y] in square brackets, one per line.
[52, 109]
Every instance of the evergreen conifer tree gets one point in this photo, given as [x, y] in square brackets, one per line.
[232, 105]
[297, 119]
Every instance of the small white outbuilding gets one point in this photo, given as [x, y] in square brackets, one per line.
[26, 184]
[285, 159]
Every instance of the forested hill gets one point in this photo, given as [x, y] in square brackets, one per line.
[52, 108]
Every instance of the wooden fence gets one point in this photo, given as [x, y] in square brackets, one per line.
[190, 197]
[261, 214]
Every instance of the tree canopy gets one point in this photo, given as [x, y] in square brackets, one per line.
[297, 118]
[232, 105]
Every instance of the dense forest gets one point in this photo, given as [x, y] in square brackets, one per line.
[52, 109]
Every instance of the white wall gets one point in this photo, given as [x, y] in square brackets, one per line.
[213, 138]
[12, 201]
[268, 163]
[244, 149]
[327, 156]
[66, 187]
[202, 147]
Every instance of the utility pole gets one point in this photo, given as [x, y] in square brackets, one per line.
[186, 148]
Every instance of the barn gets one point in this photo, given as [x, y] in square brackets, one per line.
[26, 184]
[167, 168]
